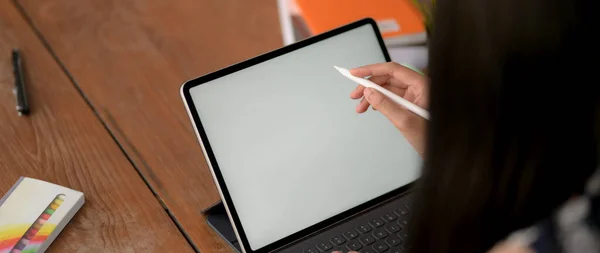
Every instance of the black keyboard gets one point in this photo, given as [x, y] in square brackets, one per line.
[380, 230]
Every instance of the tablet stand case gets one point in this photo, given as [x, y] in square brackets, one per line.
[217, 219]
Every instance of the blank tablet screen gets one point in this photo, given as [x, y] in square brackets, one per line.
[289, 144]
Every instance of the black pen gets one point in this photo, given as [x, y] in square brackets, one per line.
[22, 105]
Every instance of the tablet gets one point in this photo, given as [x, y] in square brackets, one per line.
[287, 150]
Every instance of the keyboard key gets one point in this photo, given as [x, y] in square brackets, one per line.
[364, 229]
[380, 247]
[366, 240]
[376, 223]
[367, 251]
[401, 211]
[311, 250]
[340, 249]
[402, 235]
[397, 250]
[393, 241]
[350, 235]
[324, 246]
[354, 245]
[380, 233]
[338, 240]
[393, 228]
[403, 222]
[389, 217]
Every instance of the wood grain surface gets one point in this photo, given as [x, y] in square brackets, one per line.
[130, 57]
[63, 142]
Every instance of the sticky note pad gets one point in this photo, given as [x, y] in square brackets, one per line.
[33, 213]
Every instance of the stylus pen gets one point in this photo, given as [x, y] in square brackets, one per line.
[397, 99]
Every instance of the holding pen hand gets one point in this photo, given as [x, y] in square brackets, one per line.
[404, 82]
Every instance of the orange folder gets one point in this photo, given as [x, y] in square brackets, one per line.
[399, 21]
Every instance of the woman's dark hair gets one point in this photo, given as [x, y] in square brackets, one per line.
[514, 119]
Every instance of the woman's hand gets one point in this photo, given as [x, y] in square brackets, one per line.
[406, 83]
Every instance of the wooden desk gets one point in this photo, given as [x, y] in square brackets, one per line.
[63, 142]
[128, 59]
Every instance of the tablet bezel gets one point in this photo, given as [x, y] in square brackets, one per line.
[213, 164]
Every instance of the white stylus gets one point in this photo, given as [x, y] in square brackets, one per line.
[399, 100]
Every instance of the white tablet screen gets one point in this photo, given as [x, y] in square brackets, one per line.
[289, 144]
